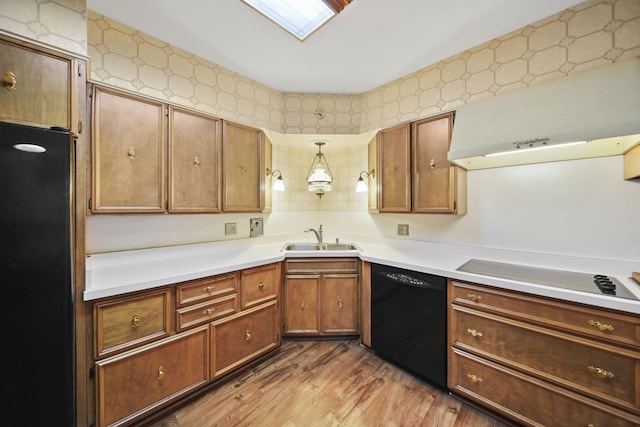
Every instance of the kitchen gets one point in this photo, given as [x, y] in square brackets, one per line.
[574, 220]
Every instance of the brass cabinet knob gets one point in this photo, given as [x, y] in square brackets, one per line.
[261, 286]
[160, 373]
[196, 161]
[601, 326]
[474, 333]
[247, 335]
[302, 305]
[432, 164]
[474, 378]
[601, 372]
[9, 81]
[340, 304]
[208, 311]
[208, 289]
[131, 153]
[135, 321]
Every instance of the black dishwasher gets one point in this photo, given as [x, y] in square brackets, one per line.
[409, 321]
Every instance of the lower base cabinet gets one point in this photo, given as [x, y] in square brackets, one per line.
[244, 336]
[134, 383]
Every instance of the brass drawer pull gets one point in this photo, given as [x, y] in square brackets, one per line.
[247, 335]
[208, 289]
[601, 372]
[131, 153]
[432, 164]
[9, 82]
[209, 311]
[474, 378]
[196, 161]
[340, 304]
[302, 305]
[474, 297]
[261, 286]
[135, 321]
[601, 326]
[160, 372]
[474, 333]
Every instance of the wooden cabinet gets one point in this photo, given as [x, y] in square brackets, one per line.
[37, 85]
[194, 162]
[413, 172]
[243, 167]
[204, 300]
[580, 364]
[242, 337]
[372, 168]
[267, 189]
[438, 185]
[133, 384]
[260, 284]
[394, 169]
[126, 322]
[321, 297]
[128, 153]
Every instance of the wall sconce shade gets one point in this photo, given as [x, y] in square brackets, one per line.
[361, 185]
[278, 184]
[319, 177]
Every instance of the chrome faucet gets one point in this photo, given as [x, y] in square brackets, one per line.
[317, 232]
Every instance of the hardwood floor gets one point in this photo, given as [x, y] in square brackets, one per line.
[326, 383]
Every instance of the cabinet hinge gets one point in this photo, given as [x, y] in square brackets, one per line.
[80, 70]
[89, 203]
[454, 205]
[92, 372]
[79, 126]
[166, 110]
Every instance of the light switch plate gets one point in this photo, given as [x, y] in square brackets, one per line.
[255, 227]
[403, 229]
[230, 228]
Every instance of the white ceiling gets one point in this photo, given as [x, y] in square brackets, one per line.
[370, 43]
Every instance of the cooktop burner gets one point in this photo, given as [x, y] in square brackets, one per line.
[593, 283]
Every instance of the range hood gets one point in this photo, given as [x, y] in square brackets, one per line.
[601, 106]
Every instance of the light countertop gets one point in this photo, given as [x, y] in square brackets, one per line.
[115, 273]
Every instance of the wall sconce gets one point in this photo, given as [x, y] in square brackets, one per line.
[361, 185]
[278, 184]
[319, 177]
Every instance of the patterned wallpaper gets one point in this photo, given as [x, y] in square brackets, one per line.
[58, 23]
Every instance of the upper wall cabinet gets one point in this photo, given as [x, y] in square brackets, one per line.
[394, 169]
[413, 174]
[128, 153]
[38, 85]
[194, 162]
[243, 167]
[438, 185]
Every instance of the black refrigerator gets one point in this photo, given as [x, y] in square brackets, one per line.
[37, 373]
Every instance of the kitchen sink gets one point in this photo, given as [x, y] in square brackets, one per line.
[321, 247]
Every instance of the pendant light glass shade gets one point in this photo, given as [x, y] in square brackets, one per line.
[319, 177]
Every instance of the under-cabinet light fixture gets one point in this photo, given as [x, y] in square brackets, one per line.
[319, 177]
[527, 147]
[361, 185]
[278, 184]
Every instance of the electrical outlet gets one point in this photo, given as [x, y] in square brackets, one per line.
[403, 229]
[255, 227]
[230, 228]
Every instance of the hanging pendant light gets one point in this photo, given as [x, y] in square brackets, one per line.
[319, 177]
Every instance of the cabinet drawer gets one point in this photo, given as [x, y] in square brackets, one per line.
[260, 284]
[602, 324]
[602, 371]
[133, 383]
[318, 265]
[526, 399]
[132, 320]
[205, 289]
[239, 338]
[207, 311]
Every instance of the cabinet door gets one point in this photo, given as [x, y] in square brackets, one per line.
[373, 179]
[135, 383]
[434, 177]
[260, 284]
[42, 91]
[242, 337]
[339, 299]
[128, 134]
[301, 311]
[243, 168]
[394, 166]
[194, 162]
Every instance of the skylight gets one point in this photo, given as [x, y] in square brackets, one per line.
[299, 17]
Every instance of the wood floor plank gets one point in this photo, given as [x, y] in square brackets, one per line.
[326, 384]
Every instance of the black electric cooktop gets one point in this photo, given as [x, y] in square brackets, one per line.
[584, 282]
